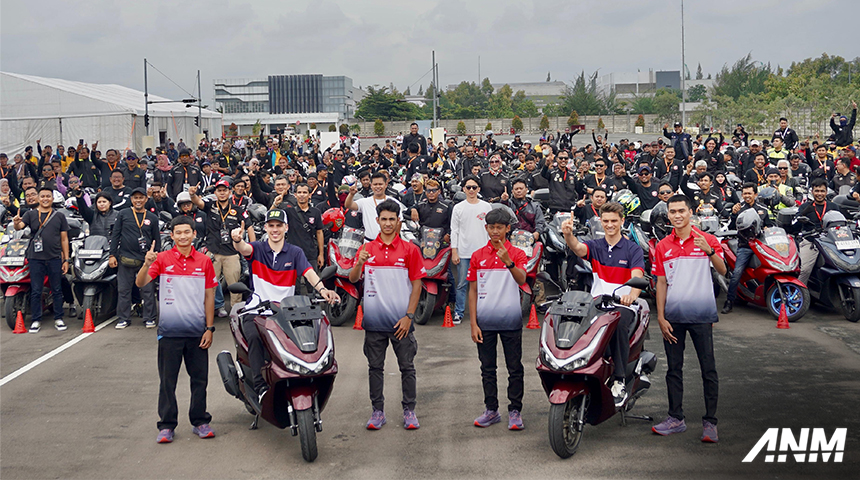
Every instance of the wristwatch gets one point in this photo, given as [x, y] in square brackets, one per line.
[511, 266]
[410, 316]
[211, 329]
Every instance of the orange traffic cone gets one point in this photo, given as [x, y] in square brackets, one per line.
[448, 322]
[783, 318]
[19, 324]
[533, 321]
[359, 316]
[88, 323]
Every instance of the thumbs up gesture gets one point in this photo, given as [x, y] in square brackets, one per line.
[151, 255]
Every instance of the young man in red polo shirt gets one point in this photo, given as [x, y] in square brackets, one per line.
[495, 273]
[686, 304]
[186, 311]
[392, 269]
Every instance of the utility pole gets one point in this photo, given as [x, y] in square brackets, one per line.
[145, 99]
[434, 90]
[683, 67]
[199, 106]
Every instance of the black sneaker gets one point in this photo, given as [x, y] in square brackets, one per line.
[619, 393]
[727, 307]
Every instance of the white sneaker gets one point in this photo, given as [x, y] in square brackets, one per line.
[122, 324]
[619, 393]
[222, 312]
[35, 327]
[457, 319]
[60, 325]
[150, 324]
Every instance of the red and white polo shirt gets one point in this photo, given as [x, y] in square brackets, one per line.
[498, 292]
[388, 276]
[181, 292]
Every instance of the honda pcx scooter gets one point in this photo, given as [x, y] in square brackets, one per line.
[95, 282]
[297, 338]
[835, 280]
[434, 286]
[575, 370]
[341, 254]
[525, 241]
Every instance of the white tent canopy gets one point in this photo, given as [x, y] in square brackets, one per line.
[62, 112]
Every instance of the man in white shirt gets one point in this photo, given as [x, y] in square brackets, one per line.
[467, 236]
[367, 206]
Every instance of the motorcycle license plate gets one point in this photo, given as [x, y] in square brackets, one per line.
[89, 253]
[12, 261]
[848, 244]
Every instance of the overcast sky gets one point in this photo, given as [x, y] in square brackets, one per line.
[378, 42]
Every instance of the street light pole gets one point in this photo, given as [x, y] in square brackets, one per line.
[683, 78]
[199, 106]
[434, 90]
[146, 99]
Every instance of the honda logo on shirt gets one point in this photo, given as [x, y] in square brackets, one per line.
[788, 442]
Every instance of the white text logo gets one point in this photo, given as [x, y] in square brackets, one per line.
[787, 442]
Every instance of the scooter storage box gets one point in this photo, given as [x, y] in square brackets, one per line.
[785, 219]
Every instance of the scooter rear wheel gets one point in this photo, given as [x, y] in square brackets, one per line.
[15, 304]
[340, 313]
[307, 434]
[426, 304]
[565, 434]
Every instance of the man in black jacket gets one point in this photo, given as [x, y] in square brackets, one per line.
[788, 135]
[120, 194]
[133, 235]
[562, 183]
[415, 137]
[135, 177]
[744, 252]
[843, 133]
[183, 175]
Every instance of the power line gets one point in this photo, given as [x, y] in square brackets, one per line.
[422, 77]
[171, 80]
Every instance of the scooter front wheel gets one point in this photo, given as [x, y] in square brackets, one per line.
[426, 303]
[307, 434]
[566, 426]
[796, 300]
[16, 304]
[340, 313]
[849, 302]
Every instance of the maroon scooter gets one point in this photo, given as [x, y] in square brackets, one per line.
[300, 373]
[574, 366]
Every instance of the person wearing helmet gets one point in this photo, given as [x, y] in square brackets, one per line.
[614, 260]
[747, 227]
[489, 145]
[186, 208]
[843, 133]
[47, 254]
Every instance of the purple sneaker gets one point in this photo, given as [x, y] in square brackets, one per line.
[203, 431]
[165, 436]
[410, 421]
[669, 426]
[488, 418]
[515, 420]
[377, 420]
[709, 432]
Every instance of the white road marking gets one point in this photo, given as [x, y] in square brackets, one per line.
[53, 353]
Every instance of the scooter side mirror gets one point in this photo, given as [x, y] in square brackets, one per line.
[328, 272]
[239, 288]
[544, 277]
[637, 282]
[802, 220]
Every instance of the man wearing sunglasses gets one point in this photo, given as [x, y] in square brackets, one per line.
[599, 178]
[645, 188]
[467, 236]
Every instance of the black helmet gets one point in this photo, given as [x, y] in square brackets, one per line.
[748, 224]
[660, 223]
[769, 197]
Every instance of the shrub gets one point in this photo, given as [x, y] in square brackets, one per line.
[344, 129]
[313, 126]
[461, 128]
[640, 122]
[544, 123]
[378, 128]
[517, 124]
[600, 124]
[573, 120]
[332, 128]
[489, 127]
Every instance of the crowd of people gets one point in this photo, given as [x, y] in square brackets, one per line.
[452, 185]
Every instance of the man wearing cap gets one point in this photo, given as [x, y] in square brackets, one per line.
[222, 217]
[415, 137]
[47, 254]
[208, 176]
[134, 233]
[646, 188]
[681, 140]
[704, 195]
[307, 232]
[843, 133]
[275, 267]
[367, 206]
[488, 145]
[183, 175]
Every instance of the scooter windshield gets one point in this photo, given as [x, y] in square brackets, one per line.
[524, 240]
[351, 239]
[777, 239]
[431, 241]
[14, 254]
[595, 229]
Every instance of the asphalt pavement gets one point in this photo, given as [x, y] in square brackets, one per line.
[90, 411]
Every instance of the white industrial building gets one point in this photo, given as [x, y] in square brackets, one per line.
[61, 112]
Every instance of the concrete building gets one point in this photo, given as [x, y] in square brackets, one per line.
[631, 84]
[279, 101]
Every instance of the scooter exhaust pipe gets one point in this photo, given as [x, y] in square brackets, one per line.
[228, 373]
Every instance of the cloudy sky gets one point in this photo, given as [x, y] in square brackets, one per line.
[378, 42]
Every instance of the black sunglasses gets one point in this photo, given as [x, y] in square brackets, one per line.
[471, 187]
[432, 190]
[665, 192]
[598, 165]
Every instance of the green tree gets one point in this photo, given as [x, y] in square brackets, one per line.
[582, 95]
[233, 130]
[382, 103]
[378, 128]
[517, 124]
[255, 130]
[666, 105]
[313, 126]
[421, 89]
[544, 123]
[465, 101]
[332, 128]
[697, 93]
[461, 128]
[640, 121]
[429, 92]
[548, 79]
[500, 103]
[489, 127]
[643, 104]
[344, 129]
[745, 77]
[573, 119]
[600, 124]
[486, 87]
[699, 74]
[523, 106]
[355, 128]
[407, 92]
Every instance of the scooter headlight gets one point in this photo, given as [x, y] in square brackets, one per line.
[95, 274]
[579, 360]
[438, 267]
[298, 365]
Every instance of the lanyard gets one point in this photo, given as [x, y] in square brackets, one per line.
[112, 167]
[821, 215]
[223, 217]
[43, 222]
[139, 223]
[594, 210]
